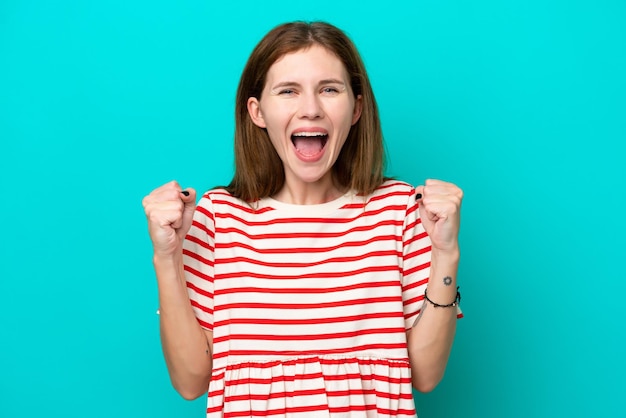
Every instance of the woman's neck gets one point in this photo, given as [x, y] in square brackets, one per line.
[303, 193]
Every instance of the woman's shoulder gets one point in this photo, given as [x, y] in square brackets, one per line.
[391, 186]
[392, 193]
[217, 193]
[220, 196]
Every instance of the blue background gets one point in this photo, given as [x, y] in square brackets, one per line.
[521, 103]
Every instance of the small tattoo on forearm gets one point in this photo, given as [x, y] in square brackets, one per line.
[447, 280]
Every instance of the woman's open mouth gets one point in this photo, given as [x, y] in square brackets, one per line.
[309, 144]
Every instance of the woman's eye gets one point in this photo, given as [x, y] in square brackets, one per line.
[330, 90]
[286, 91]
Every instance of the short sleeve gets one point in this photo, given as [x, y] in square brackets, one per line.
[416, 254]
[198, 259]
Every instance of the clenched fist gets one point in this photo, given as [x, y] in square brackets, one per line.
[440, 211]
[169, 210]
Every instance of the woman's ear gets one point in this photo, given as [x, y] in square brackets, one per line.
[358, 108]
[254, 110]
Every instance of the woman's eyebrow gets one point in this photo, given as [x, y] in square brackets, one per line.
[283, 84]
[295, 83]
[287, 83]
[332, 81]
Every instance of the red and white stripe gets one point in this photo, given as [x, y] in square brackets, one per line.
[309, 304]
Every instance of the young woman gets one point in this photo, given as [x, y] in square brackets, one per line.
[311, 285]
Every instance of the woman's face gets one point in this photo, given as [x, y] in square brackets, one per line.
[307, 107]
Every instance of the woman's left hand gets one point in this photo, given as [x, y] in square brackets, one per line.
[440, 212]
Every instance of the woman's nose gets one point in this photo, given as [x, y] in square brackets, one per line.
[310, 107]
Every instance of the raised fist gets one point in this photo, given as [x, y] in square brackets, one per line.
[169, 210]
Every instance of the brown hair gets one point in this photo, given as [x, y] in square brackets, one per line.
[259, 172]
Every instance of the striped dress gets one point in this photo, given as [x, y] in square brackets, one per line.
[309, 304]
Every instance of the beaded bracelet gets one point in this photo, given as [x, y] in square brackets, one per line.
[457, 300]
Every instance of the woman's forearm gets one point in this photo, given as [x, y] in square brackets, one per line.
[430, 339]
[186, 346]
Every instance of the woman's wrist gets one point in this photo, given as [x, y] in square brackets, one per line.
[168, 267]
[443, 274]
[446, 257]
[167, 259]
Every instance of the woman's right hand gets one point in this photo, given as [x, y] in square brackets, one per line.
[169, 210]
